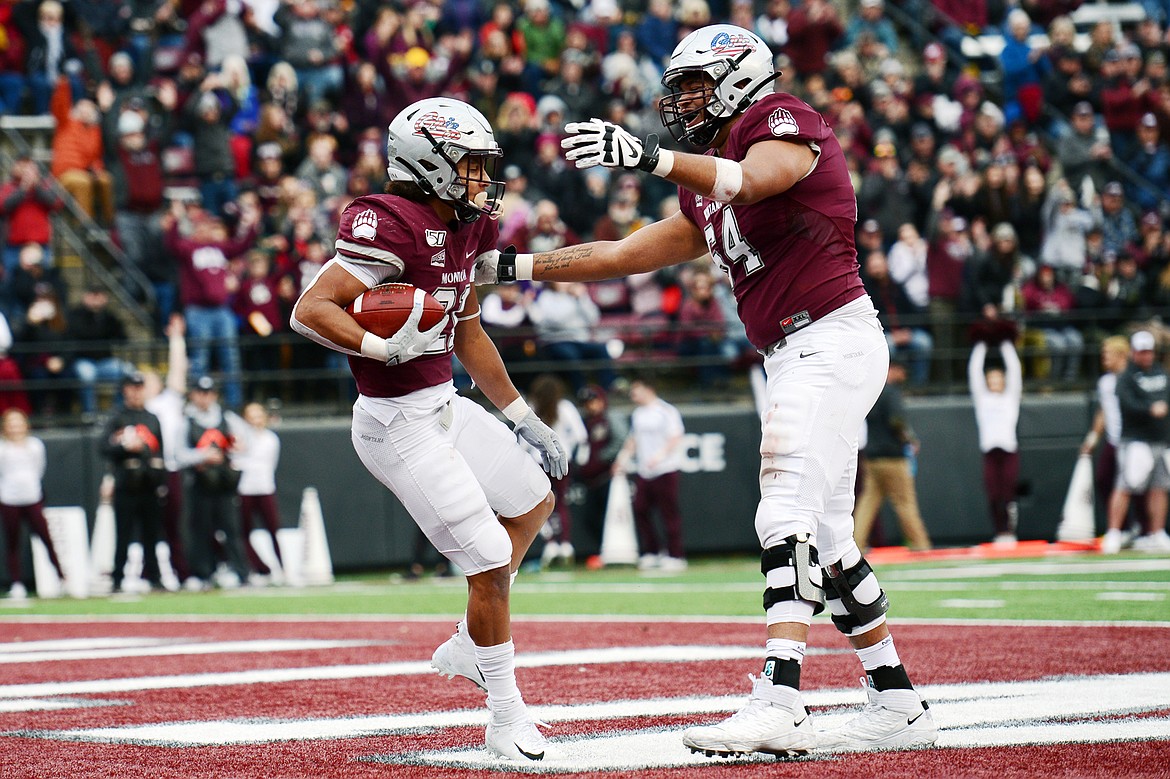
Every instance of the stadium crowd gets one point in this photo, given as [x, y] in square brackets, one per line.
[218, 141]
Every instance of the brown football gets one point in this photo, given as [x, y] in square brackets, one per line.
[384, 309]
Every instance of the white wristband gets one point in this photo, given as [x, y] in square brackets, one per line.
[728, 180]
[375, 348]
[665, 163]
[523, 267]
[517, 409]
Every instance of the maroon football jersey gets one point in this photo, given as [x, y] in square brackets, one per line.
[791, 257]
[435, 256]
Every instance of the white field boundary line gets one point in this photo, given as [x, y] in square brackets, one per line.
[1064, 709]
[11, 653]
[636, 654]
[452, 618]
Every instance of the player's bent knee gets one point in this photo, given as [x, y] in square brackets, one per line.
[856, 602]
[493, 546]
[793, 575]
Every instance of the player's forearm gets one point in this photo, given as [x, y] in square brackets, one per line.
[326, 323]
[585, 262]
[481, 359]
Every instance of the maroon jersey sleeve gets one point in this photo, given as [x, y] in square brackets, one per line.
[791, 257]
[373, 231]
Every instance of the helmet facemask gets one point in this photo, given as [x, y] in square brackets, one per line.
[725, 82]
[481, 170]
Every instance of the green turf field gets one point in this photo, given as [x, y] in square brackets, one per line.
[1127, 587]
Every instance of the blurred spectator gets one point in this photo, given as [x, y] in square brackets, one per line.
[516, 129]
[1048, 304]
[322, 174]
[1065, 228]
[257, 304]
[550, 176]
[906, 335]
[1118, 226]
[593, 469]
[1024, 68]
[627, 74]
[134, 159]
[654, 453]
[12, 56]
[50, 52]
[256, 455]
[77, 155]
[132, 442]
[545, 231]
[237, 82]
[885, 191]
[580, 94]
[308, 43]
[504, 311]
[622, 217]
[871, 20]
[1151, 160]
[1123, 91]
[772, 24]
[205, 288]
[282, 89]
[1128, 294]
[12, 391]
[814, 29]
[213, 520]
[217, 29]
[547, 396]
[93, 331]
[43, 334]
[657, 33]
[365, 102]
[544, 38]
[22, 496]
[1085, 150]
[996, 391]
[994, 276]
[947, 256]
[907, 260]
[27, 201]
[565, 317]
[208, 116]
[887, 467]
[701, 329]
[31, 273]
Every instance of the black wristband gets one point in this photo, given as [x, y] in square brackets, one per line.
[506, 267]
[650, 155]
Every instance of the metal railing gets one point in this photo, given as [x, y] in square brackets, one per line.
[127, 284]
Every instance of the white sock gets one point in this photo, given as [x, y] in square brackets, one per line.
[881, 653]
[785, 649]
[498, 666]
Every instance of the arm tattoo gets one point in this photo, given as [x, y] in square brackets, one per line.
[561, 258]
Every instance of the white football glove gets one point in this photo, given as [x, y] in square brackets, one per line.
[598, 142]
[410, 342]
[541, 438]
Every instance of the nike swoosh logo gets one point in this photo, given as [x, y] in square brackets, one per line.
[809, 354]
[912, 721]
[529, 755]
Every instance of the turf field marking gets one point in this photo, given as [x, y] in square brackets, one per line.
[636, 654]
[1028, 568]
[67, 644]
[170, 648]
[972, 603]
[1061, 709]
[1125, 596]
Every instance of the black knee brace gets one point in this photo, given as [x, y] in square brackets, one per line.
[798, 553]
[839, 585]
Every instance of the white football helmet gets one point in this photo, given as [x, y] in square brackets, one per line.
[425, 144]
[738, 63]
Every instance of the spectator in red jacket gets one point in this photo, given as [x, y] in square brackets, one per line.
[701, 329]
[813, 30]
[27, 201]
[12, 56]
[257, 304]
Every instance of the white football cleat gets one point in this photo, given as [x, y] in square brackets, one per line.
[456, 657]
[774, 721]
[891, 719]
[1154, 542]
[1111, 542]
[519, 741]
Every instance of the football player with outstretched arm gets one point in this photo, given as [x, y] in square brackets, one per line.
[461, 473]
[772, 202]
